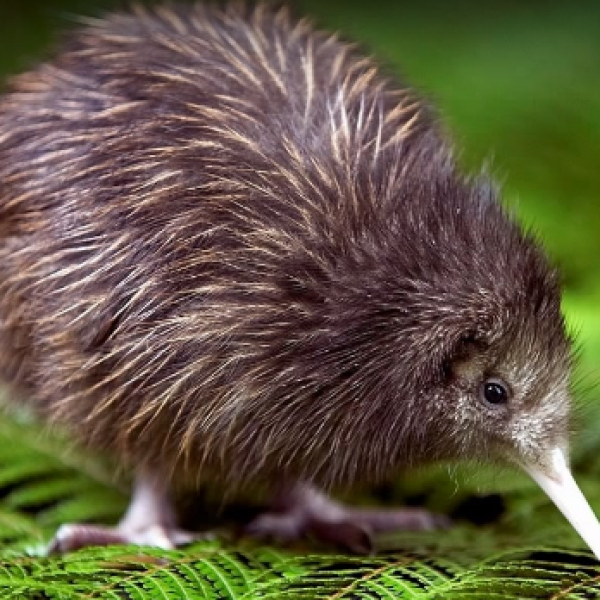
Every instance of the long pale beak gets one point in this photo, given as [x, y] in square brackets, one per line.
[560, 486]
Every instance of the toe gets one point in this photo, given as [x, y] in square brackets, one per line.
[426, 521]
[159, 536]
[415, 519]
[71, 537]
[441, 521]
[281, 527]
[347, 535]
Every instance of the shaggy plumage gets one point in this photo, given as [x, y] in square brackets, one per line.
[231, 248]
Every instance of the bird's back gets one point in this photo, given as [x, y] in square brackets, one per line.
[196, 207]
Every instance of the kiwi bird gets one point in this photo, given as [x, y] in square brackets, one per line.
[234, 250]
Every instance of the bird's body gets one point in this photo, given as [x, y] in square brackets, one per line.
[231, 249]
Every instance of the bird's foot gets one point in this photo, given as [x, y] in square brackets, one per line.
[304, 511]
[73, 536]
[149, 521]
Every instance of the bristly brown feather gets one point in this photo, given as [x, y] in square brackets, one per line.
[231, 248]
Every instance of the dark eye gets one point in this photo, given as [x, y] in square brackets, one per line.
[494, 391]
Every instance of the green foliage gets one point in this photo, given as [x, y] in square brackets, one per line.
[44, 482]
[514, 80]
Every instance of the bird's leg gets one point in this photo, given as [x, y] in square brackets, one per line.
[301, 510]
[148, 521]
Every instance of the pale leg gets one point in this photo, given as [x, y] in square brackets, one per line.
[149, 521]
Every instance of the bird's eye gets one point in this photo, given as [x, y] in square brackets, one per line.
[494, 391]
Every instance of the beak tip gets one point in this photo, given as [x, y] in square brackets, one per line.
[558, 483]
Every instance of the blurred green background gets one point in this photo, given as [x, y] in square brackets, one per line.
[517, 82]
